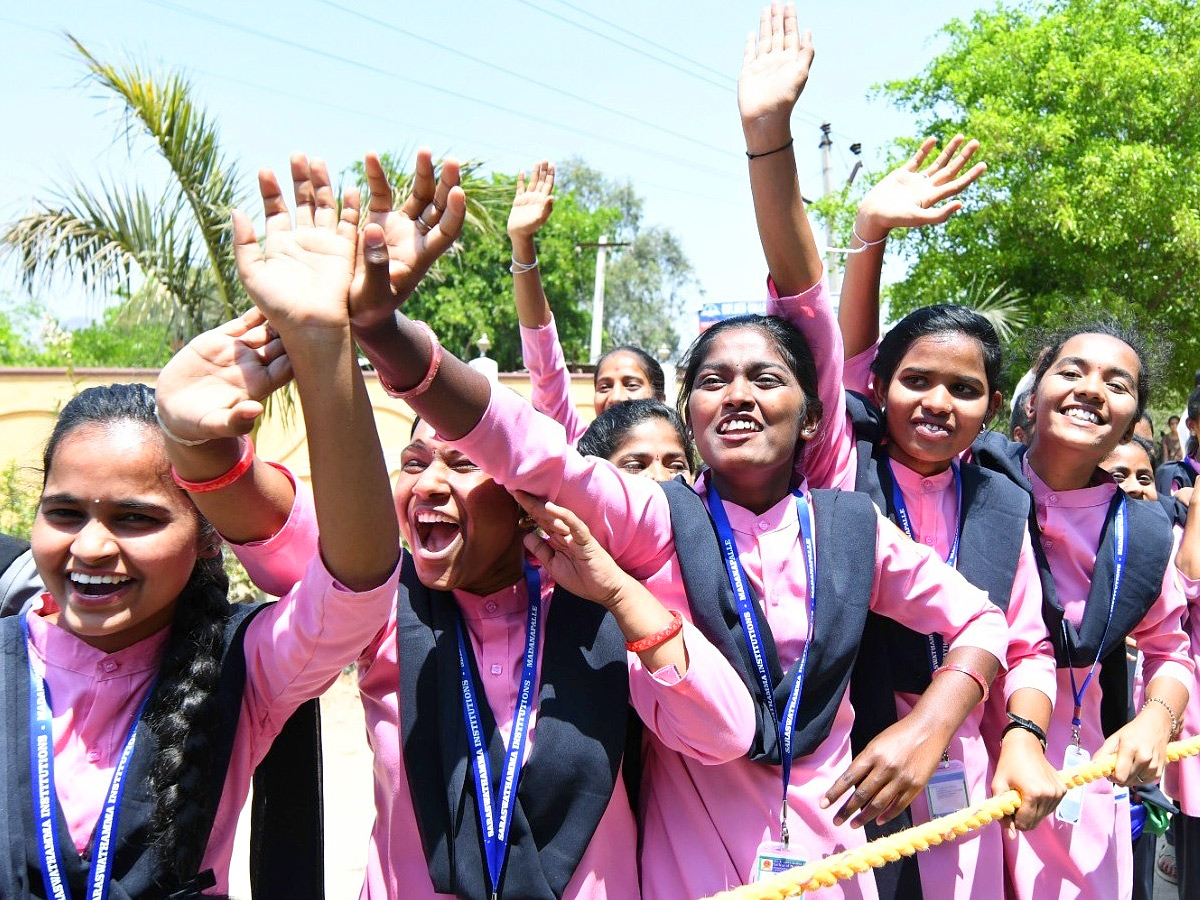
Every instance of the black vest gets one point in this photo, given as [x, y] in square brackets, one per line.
[845, 525]
[1146, 559]
[1170, 473]
[135, 867]
[994, 516]
[568, 780]
[895, 658]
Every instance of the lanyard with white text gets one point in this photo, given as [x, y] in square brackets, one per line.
[496, 806]
[937, 648]
[41, 753]
[1122, 536]
[753, 635]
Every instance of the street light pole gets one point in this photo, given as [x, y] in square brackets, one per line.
[602, 247]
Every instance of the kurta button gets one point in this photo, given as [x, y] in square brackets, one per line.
[1054, 498]
[929, 540]
[497, 668]
[109, 665]
[93, 755]
[490, 606]
[763, 526]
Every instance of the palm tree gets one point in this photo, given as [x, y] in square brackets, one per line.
[172, 252]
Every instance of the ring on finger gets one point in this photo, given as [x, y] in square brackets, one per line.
[422, 226]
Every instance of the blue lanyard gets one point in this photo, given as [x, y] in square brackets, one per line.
[1122, 527]
[496, 807]
[937, 647]
[753, 634]
[41, 754]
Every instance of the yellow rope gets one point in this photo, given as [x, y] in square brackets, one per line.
[849, 863]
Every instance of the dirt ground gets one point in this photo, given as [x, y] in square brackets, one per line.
[349, 803]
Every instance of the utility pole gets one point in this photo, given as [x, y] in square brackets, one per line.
[826, 145]
[602, 246]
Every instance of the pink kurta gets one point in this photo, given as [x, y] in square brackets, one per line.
[543, 357]
[1182, 782]
[973, 866]
[707, 713]
[1094, 858]
[294, 650]
[702, 824]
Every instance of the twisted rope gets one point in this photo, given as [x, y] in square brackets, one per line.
[826, 872]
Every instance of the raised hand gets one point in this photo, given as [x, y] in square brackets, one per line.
[414, 236]
[214, 387]
[908, 197]
[775, 65]
[300, 276]
[534, 202]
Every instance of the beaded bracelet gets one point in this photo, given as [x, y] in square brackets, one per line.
[970, 673]
[1170, 712]
[240, 468]
[435, 363]
[659, 637]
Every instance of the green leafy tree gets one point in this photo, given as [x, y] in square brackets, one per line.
[1086, 115]
[470, 292]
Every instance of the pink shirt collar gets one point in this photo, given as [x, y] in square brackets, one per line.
[70, 653]
[1081, 498]
[912, 482]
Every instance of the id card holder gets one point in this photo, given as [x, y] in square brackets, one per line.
[947, 789]
[1070, 808]
[774, 857]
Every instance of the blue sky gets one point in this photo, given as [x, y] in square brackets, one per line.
[643, 91]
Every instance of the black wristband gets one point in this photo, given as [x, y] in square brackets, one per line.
[1024, 724]
[750, 155]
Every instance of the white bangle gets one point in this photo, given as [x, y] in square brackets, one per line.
[520, 268]
[172, 436]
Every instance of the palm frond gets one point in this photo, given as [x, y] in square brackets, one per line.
[1005, 309]
[161, 106]
[114, 240]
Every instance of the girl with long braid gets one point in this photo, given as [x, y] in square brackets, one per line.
[138, 700]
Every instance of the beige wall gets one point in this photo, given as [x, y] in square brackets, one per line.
[31, 398]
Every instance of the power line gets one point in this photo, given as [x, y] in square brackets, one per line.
[730, 84]
[549, 87]
[234, 26]
[630, 47]
[634, 34]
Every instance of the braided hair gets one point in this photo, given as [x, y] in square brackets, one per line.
[183, 713]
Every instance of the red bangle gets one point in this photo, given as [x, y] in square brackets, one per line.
[659, 637]
[240, 468]
[435, 363]
[970, 673]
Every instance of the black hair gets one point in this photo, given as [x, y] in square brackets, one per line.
[183, 714]
[1193, 415]
[788, 342]
[649, 365]
[943, 318]
[1020, 414]
[1147, 447]
[1149, 361]
[609, 430]
[1148, 419]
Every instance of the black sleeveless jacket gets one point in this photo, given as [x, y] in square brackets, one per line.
[568, 780]
[1149, 552]
[845, 525]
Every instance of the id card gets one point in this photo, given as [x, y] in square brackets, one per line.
[1070, 808]
[947, 789]
[773, 857]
